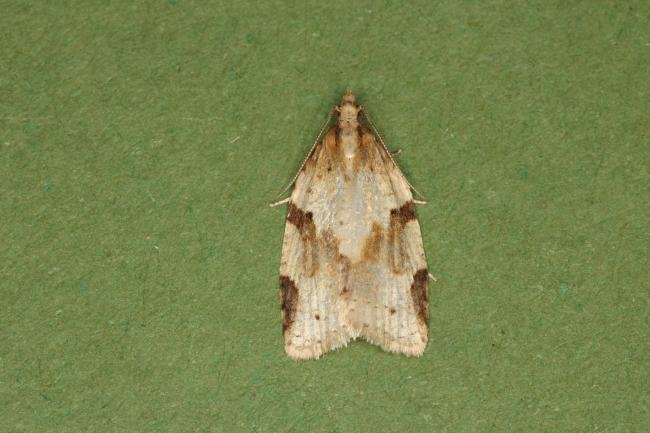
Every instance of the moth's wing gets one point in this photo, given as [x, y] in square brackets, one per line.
[313, 312]
[353, 261]
[390, 287]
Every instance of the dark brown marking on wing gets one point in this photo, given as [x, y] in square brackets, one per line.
[304, 222]
[372, 245]
[420, 295]
[397, 251]
[288, 301]
[403, 215]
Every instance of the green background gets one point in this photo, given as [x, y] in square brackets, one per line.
[141, 143]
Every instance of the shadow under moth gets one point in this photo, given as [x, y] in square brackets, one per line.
[353, 264]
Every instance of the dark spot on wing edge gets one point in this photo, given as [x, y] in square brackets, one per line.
[296, 216]
[420, 295]
[288, 300]
[403, 215]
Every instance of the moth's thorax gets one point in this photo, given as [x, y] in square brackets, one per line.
[348, 115]
[348, 126]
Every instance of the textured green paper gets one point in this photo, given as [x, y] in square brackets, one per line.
[140, 143]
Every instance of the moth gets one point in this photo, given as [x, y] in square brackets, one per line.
[353, 263]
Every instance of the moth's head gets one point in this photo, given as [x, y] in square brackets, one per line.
[348, 111]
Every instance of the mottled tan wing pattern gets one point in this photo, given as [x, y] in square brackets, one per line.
[353, 263]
